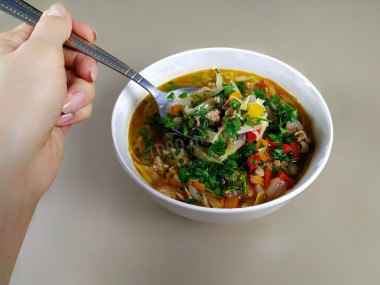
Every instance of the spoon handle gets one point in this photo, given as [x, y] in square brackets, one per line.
[30, 15]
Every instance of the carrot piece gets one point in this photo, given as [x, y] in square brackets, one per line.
[176, 109]
[232, 202]
[171, 178]
[199, 186]
[234, 95]
[267, 176]
[285, 178]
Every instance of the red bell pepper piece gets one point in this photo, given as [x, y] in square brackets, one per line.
[286, 148]
[285, 178]
[253, 161]
[251, 137]
[267, 176]
[271, 144]
[295, 149]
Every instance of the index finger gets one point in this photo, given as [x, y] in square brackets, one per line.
[85, 66]
[84, 30]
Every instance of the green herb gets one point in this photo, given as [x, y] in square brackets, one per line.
[170, 97]
[287, 139]
[240, 85]
[248, 150]
[191, 122]
[275, 99]
[137, 150]
[254, 121]
[170, 155]
[218, 147]
[235, 104]
[171, 175]
[201, 133]
[200, 112]
[181, 161]
[278, 153]
[227, 90]
[168, 122]
[276, 170]
[232, 127]
[171, 86]
[286, 113]
[242, 177]
[190, 200]
[182, 95]
[185, 130]
[211, 174]
[177, 152]
[259, 94]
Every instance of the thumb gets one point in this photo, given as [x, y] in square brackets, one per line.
[54, 26]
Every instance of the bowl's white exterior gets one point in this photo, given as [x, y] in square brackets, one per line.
[228, 58]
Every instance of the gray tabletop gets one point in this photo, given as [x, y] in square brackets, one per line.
[95, 226]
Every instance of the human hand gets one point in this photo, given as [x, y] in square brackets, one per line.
[44, 89]
[39, 80]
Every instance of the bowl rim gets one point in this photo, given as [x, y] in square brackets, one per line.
[282, 199]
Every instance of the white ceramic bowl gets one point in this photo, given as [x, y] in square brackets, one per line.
[186, 62]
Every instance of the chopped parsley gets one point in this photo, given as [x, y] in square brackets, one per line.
[218, 148]
[235, 104]
[232, 127]
[259, 94]
[170, 97]
[167, 120]
[182, 95]
[240, 85]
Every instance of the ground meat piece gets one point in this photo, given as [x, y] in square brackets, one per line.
[304, 147]
[159, 165]
[301, 136]
[284, 164]
[217, 99]
[303, 140]
[197, 120]
[214, 115]
[276, 163]
[259, 171]
[292, 169]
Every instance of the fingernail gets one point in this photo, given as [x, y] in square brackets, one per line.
[65, 118]
[96, 35]
[94, 71]
[74, 102]
[57, 10]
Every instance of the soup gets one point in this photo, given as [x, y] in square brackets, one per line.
[253, 140]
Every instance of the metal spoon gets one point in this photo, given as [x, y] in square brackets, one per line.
[30, 15]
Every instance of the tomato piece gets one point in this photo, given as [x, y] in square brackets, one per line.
[285, 178]
[271, 144]
[253, 161]
[286, 148]
[223, 122]
[251, 137]
[267, 176]
[296, 150]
